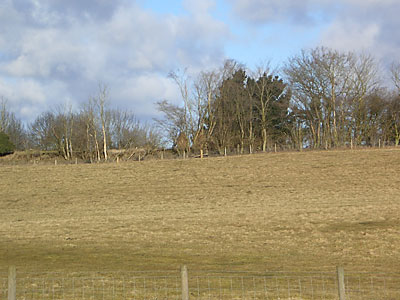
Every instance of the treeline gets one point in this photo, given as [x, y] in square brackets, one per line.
[87, 133]
[319, 99]
[324, 99]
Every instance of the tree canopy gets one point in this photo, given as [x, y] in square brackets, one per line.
[6, 146]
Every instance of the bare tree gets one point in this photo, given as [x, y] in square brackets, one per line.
[63, 127]
[205, 86]
[4, 115]
[306, 99]
[363, 87]
[88, 114]
[182, 144]
[12, 126]
[328, 85]
[263, 93]
[101, 103]
[174, 121]
[391, 119]
[183, 81]
[125, 131]
[41, 132]
[395, 74]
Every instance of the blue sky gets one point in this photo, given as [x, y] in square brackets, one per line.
[54, 52]
[249, 44]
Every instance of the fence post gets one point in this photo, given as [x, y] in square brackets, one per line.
[185, 283]
[340, 275]
[12, 283]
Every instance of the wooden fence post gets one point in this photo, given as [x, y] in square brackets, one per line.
[12, 283]
[185, 283]
[340, 275]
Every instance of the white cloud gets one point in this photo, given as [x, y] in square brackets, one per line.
[351, 36]
[367, 26]
[263, 11]
[26, 97]
[199, 7]
[350, 25]
[55, 50]
[145, 90]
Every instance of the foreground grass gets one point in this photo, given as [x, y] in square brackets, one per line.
[285, 211]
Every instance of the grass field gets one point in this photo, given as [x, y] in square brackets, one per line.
[283, 211]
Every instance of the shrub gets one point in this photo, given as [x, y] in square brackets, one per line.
[6, 146]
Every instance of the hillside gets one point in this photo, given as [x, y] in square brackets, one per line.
[283, 211]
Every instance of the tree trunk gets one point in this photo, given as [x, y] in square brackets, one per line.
[264, 137]
[97, 146]
[104, 142]
[88, 150]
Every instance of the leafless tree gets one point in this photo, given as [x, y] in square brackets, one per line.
[395, 75]
[88, 114]
[263, 93]
[184, 83]
[101, 103]
[173, 122]
[206, 88]
[12, 126]
[330, 87]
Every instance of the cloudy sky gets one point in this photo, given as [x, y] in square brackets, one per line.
[58, 51]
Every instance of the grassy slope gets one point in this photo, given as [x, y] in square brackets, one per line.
[290, 211]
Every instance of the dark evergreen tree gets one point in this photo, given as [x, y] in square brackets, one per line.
[6, 146]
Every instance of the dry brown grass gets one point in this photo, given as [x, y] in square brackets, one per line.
[284, 211]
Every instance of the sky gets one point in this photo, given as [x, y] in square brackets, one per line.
[55, 52]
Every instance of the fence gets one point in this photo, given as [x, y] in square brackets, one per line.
[199, 285]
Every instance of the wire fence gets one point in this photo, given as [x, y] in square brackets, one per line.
[201, 285]
[284, 285]
[268, 286]
[372, 286]
[97, 285]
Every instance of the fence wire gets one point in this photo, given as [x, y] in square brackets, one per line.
[120, 285]
[264, 286]
[372, 286]
[202, 285]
